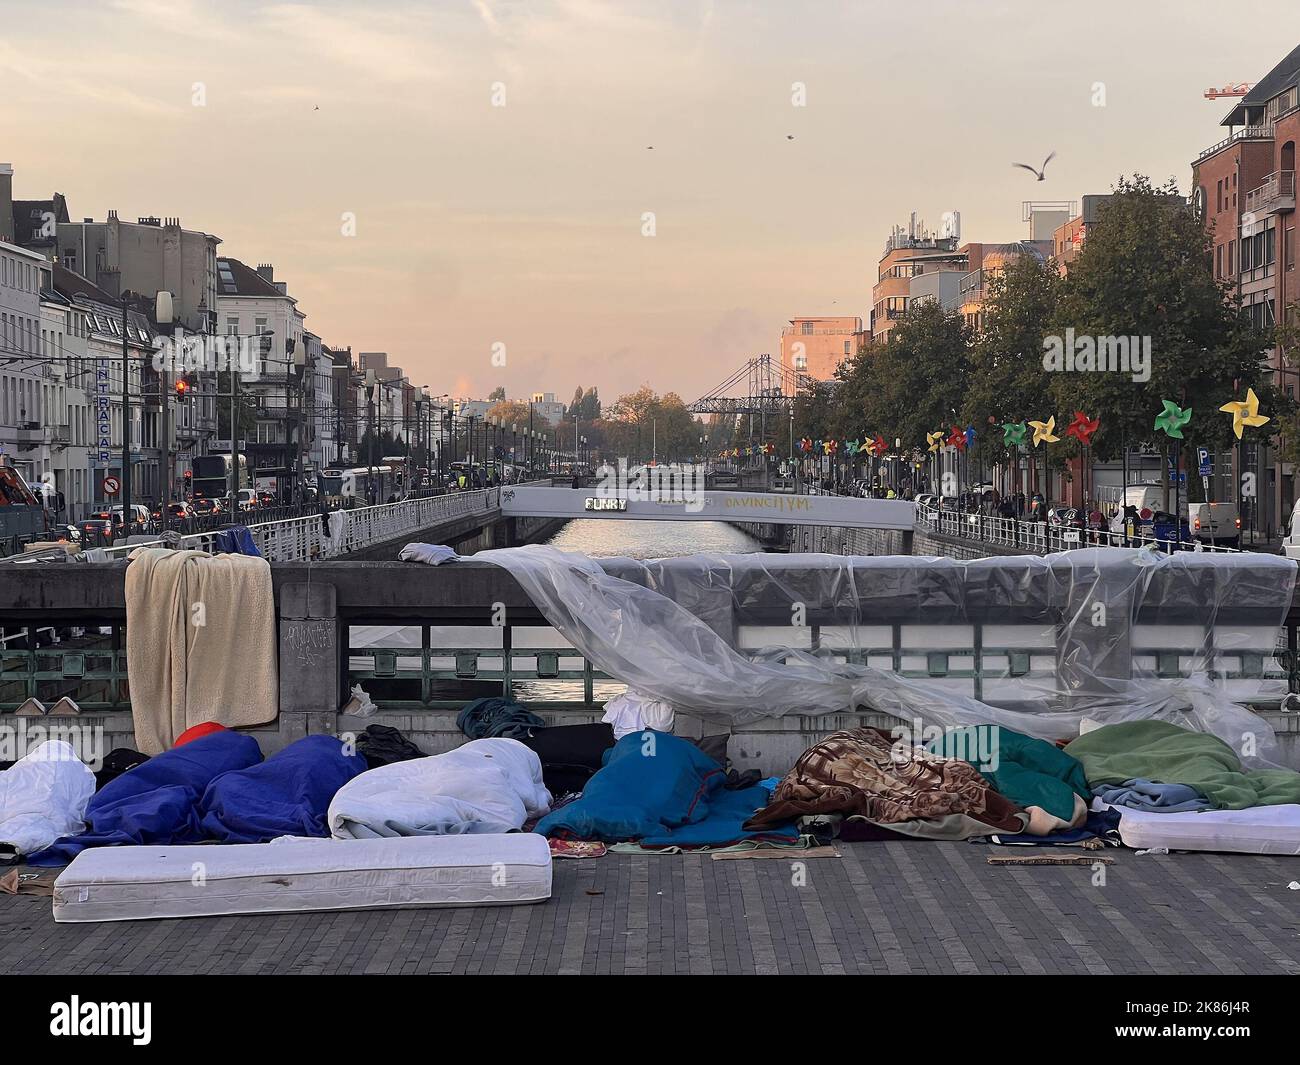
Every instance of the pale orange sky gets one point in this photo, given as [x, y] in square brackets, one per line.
[522, 224]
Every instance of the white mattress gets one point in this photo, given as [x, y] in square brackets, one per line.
[1258, 830]
[135, 883]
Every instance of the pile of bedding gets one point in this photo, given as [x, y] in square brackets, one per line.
[491, 785]
[661, 791]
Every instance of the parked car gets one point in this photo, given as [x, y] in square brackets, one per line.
[66, 533]
[175, 512]
[248, 499]
[97, 531]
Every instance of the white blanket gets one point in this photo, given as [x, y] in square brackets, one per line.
[43, 796]
[484, 786]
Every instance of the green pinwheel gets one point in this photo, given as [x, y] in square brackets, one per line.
[1013, 434]
[1172, 418]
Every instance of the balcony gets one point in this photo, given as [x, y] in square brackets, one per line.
[1246, 133]
[1277, 194]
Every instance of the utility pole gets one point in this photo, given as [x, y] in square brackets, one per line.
[126, 414]
[234, 436]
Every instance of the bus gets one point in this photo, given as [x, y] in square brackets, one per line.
[360, 485]
[210, 475]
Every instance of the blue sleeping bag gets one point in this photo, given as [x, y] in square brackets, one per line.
[661, 791]
[287, 795]
[157, 802]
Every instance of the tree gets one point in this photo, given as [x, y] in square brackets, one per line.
[247, 409]
[1145, 274]
[497, 394]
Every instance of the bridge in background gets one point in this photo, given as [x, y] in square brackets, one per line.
[768, 508]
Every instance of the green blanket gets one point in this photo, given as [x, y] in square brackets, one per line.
[1169, 754]
[1027, 771]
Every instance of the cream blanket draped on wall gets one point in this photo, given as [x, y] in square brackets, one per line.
[200, 643]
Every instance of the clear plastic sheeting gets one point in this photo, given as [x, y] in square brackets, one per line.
[1033, 643]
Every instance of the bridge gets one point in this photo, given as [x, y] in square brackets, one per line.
[769, 508]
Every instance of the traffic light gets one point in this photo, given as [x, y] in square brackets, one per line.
[182, 388]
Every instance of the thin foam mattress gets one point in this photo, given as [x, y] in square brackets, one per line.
[1256, 830]
[303, 875]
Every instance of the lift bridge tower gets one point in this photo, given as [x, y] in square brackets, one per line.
[762, 392]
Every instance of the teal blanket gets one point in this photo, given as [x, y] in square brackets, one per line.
[1027, 771]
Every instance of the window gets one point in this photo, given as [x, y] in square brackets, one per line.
[232, 326]
[1218, 196]
[1218, 260]
[806, 328]
[848, 347]
[1232, 244]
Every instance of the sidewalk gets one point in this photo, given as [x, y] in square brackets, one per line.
[915, 907]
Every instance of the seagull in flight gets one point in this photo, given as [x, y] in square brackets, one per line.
[1042, 176]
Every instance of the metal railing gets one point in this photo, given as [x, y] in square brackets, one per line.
[1277, 191]
[304, 537]
[1262, 132]
[1043, 537]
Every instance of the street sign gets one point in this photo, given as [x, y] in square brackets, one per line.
[111, 486]
[1203, 460]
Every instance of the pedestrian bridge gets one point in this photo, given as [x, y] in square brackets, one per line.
[771, 508]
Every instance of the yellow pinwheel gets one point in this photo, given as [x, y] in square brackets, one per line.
[1245, 412]
[935, 440]
[1043, 431]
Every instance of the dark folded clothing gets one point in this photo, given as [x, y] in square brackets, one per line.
[496, 717]
[383, 745]
[117, 762]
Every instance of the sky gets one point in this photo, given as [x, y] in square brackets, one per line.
[506, 245]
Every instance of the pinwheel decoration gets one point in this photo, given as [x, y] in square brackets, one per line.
[1013, 434]
[805, 444]
[829, 446]
[1045, 432]
[1172, 418]
[1082, 428]
[880, 445]
[957, 439]
[935, 441]
[1244, 412]
[769, 449]
[970, 436]
[852, 447]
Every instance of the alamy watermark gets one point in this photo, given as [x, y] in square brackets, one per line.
[976, 744]
[1072, 353]
[674, 484]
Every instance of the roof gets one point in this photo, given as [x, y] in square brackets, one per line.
[29, 219]
[237, 279]
[105, 308]
[1279, 79]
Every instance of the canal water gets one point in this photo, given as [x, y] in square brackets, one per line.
[596, 537]
[603, 538]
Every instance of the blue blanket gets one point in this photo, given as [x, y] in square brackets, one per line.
[287, 795]
[661, 791]
[158, 801]
[1139, 794]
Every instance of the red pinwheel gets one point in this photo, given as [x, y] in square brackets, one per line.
[1082, 428]
[805, 444]
[880, 445]
[957, 438]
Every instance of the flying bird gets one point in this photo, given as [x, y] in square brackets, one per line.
[1042, 176]
[789, 136]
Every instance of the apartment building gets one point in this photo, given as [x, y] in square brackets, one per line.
[816, 346]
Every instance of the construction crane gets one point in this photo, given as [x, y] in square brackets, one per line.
[1233, 88]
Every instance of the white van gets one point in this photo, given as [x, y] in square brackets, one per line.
[1291, 542]
[1215, 523]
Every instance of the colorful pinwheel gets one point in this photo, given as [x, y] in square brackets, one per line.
[957, 439]
[934, 440]
[829, 446]
[1082, 427]
[1172, 418]
[1244, 412]
[1013, 434]
[880, 445]
[970, 436]
[805, 444]
[852, 447]
[1044, 432]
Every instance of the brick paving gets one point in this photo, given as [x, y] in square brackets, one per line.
[914, 907]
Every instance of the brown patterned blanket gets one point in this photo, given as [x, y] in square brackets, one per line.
[858, 772]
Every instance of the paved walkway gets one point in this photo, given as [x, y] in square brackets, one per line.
[881, 907]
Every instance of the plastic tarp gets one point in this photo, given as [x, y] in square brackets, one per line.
[288, 794]
[43, 796]
[158, 800]
[492, 785]
[668, 628]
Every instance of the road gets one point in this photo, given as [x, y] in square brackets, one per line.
[914, 907]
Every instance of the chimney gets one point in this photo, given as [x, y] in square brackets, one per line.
[7, 202]
[266, 271]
